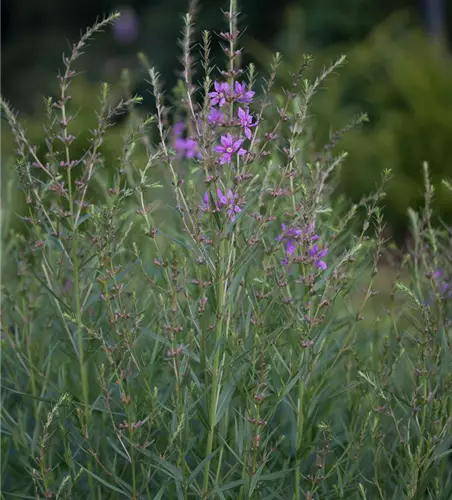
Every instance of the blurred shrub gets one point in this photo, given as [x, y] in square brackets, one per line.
[405, 86]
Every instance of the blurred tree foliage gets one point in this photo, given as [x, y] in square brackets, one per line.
[35, 33]
[403, 82]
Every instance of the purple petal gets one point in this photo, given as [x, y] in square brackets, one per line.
[237, 144]
[321, 265]
[438, 273]
[226, 140]
[226, 158]
[290, 248]
[221, 197]
[178, 128]
[313, 250]
[239, 88]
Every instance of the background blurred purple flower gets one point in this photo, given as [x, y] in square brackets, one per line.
[178, 129]
[191, 149]
[229, 146]
[126, 28]
[185, 147]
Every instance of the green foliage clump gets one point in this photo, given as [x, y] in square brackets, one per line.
[405, 85]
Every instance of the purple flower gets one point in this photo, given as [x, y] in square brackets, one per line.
[185, 148]
[191, 149]
[126, 28]
[220, 94]
[294, 236]
[317, 256]
[229, 146]
[179, 144]
[246, 121]
[241, 94]
[215, 117]
[179, 127]
[229, 201]
[289, 235]
[205, 205]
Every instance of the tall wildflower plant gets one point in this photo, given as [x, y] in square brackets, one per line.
[229, 345]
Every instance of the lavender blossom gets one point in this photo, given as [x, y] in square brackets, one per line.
[191, 149]
[241, 94]
[289, 236]
[178, 129]
[205, 205]
[295, 236]
[246, 121]
[230, 201]
[126, 28]
[317, 255]
[219, 96]
[216, 117]
[185, 147]
[229, 146]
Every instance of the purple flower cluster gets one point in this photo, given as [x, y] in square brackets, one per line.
[222, 95]
[227, 200]
[185, 147]
[230, 146]
[295, 236]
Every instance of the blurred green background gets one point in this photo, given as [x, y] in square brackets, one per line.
[399, 71]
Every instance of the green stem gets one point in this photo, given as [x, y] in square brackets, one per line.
[216, 364]
[81, 357]
[300, 418]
